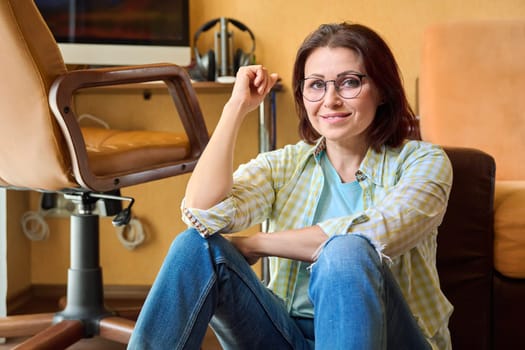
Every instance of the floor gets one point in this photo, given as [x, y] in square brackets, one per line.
[46, 305]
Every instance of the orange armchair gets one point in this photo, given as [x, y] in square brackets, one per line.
[43, 148]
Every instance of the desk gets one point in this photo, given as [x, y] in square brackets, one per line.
[267, 112]
[267, 109]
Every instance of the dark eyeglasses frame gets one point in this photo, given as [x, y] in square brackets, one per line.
[360, 76]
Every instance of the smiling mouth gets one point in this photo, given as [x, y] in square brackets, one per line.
[336, 116]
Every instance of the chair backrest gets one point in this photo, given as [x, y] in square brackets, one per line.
[30, 138]
[42, 145]
[471, 90]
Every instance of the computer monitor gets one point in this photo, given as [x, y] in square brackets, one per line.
[119, 32]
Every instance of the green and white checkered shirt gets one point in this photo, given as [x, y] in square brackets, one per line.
[405, 193]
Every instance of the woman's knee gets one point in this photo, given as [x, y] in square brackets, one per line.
[191, 244]
[347, 252]
[188, 248]
[188, 237]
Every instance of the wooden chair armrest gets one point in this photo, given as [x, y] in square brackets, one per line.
[178, 84]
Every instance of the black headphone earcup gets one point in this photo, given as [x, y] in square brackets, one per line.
[206, 65]
[240, 59]
[210, 73]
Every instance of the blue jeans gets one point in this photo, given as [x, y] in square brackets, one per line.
[357, 303]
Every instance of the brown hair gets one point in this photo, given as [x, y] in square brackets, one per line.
[394, 120]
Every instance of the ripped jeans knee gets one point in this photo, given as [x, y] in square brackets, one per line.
[352, 250]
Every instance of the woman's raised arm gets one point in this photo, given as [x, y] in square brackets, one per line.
[211, 180]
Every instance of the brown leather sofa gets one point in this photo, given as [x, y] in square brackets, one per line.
[465, 249]
[488, 307]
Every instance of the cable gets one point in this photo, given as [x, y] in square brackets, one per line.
[33, 223]
[93, 118]
[132, 234]
[34, 226]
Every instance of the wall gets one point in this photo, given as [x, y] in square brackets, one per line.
[3, 252]
[18, 247]
[279, 28]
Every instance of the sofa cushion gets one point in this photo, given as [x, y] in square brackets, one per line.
[509, 221]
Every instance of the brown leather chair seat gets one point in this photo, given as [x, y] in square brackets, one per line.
[121, 151]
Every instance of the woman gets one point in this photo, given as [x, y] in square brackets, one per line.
[353, 209]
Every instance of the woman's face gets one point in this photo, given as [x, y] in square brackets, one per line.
[340, 120]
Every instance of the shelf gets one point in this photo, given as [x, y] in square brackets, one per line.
[158, 86]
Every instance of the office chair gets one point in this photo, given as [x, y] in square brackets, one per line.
[43, 148]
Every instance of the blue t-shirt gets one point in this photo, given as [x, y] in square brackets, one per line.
[337, 199]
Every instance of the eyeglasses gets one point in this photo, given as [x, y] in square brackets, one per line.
[347, 86]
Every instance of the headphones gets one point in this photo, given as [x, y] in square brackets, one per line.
[207, 63]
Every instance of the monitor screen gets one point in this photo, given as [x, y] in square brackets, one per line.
[119, 32]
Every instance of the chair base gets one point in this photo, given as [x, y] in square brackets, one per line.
[84, 315]
[48, 335]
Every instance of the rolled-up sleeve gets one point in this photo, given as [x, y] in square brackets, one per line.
[248, 203]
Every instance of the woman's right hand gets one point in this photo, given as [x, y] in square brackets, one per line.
[252, 84]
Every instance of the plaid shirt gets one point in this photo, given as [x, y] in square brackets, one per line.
[405, 192]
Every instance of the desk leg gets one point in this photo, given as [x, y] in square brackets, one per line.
[267, 142]
[267, 133]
